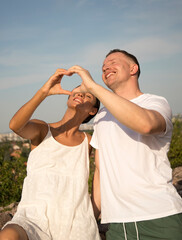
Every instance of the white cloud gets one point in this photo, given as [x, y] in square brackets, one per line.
[154, 48]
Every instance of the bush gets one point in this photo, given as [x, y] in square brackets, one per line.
[175, 152]
[92, 168]
[12, 175]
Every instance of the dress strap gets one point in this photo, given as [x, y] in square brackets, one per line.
[48, 127]
[86, 138]
[48, 131]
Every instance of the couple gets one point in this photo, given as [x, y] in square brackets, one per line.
[132, 185]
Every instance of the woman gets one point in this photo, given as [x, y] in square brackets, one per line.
[55, 203]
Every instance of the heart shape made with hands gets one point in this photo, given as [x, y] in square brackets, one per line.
[81, 87]
[58, 75]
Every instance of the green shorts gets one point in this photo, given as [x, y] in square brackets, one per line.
[167, 228]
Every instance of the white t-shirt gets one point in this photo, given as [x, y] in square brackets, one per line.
[136, 177]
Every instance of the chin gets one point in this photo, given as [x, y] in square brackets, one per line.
[110, 85]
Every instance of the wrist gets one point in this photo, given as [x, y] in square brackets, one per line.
[42, 94]
[95, 89]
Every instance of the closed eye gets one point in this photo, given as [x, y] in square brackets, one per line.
[89, 95]
[110, 63]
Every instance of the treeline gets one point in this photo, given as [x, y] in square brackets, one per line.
[12, 172]
[13, 168]
[175, 152]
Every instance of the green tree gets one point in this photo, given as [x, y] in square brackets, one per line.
[175, 152]
[12, 174]
[5, 148]
[92, 169]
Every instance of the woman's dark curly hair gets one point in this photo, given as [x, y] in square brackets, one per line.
[96, 105]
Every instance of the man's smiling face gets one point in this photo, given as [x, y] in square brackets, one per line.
[116, 69]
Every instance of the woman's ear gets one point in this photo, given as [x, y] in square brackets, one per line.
[94, 111]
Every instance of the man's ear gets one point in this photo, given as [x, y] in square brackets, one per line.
[94, 111]
[134, 69]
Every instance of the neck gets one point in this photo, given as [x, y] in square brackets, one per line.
[70, 122]
[128, 90]
[128, 94]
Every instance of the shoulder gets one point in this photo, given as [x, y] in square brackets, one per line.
[146, 97]
[158, 104]
[42, 130]
[39, 124]
[153, 102]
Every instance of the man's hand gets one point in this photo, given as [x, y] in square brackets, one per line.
[87, 80]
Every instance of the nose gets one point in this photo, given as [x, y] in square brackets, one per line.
[105, 67]
[80, 94]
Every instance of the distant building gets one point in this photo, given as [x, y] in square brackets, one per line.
[86, 127]
[175, 117]
[10, 137]
[14, 137]
[26, 145]
[15, 147]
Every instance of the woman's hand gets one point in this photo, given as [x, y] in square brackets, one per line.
[53, 85]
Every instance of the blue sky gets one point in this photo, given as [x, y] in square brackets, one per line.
[37, 37]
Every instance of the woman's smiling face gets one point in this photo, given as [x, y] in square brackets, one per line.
[82, 97]
[84, 102]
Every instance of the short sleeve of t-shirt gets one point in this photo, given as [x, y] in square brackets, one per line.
[156, 103]
[148, 101]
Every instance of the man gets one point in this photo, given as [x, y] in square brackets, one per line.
[132, 134]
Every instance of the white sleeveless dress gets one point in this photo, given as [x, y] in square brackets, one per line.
[55, 203]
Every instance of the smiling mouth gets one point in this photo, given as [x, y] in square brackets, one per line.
[78, 100]
[109, 74]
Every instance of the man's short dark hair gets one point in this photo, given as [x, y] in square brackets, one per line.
[129, 55]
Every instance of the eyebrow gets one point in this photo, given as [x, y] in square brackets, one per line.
[109, 61]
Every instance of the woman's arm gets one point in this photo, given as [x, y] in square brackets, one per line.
[20, 122]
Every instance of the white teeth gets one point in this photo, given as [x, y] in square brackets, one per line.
[108, 75]
[77, 100]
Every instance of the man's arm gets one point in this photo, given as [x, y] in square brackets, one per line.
[131, 115]
[96, 198]
[139, 119]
